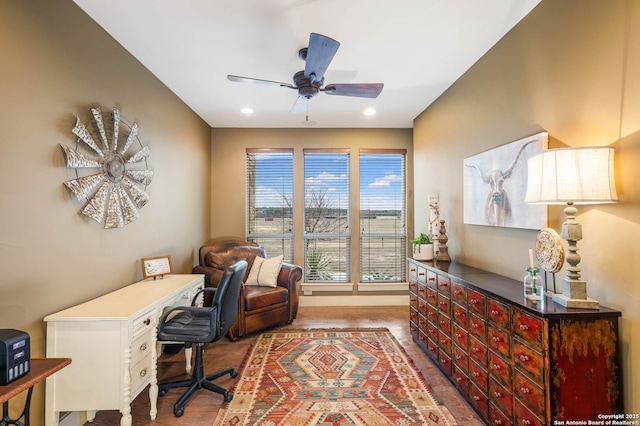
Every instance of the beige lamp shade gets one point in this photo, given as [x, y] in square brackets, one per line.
[572, 175]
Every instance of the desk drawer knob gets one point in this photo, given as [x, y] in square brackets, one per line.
[524, 358]
[143, 347]
[497, 339]
[143, 373]
[524, 327]
[147, 321]
[525, 390]
[497, 394]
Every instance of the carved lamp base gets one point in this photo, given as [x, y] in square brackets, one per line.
[574, 295]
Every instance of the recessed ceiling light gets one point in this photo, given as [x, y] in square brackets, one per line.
[246, 110]
[369, 111]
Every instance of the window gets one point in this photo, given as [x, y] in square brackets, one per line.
[326, 215]
[382, 216]
[270, 200]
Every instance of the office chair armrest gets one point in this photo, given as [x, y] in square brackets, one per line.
[204, 290]
[194, 310]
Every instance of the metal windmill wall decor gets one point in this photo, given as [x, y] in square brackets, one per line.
[112, 176]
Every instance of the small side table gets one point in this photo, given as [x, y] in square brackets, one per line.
[41, 368]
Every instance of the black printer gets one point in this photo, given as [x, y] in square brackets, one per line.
[15, 355]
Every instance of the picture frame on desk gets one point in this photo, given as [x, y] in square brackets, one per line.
[155, 267]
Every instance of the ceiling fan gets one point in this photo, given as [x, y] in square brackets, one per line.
[310, 81]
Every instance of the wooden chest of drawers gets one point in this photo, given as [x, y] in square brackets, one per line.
[517, 362]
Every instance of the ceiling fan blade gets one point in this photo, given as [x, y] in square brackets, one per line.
[320, 52]
[363, 90]
[300, 105]
[238, 79]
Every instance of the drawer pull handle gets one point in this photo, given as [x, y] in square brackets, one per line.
[525, 390]
[497, 339]
[445, 284]
[497, 394]
[431, 278]
[143, 347]
[497, 422]
[456, 314]
[143, 373]
[444, 361]
[524, 358]
[412, 269]
[456, 292]
[476, 374]
[494, 312]
[474, 301]
[524, 327]
[458, 357]
[496, 367]
[147, 321]
[526, 422]
[442, 341]
[458, 379]
[475, 349]
[421, 274]
[474, 325]
[476, 398]
[458, 335]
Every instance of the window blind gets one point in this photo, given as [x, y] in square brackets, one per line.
[326, 215]
[382, 215]
[270, 200]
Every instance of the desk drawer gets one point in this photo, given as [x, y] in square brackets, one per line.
[143, 323]
[140, 374]
[141, 347]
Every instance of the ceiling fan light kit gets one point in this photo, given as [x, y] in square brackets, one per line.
[310, 81]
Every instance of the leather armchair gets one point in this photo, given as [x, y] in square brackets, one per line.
[258, 307]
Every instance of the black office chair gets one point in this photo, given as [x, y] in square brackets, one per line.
[200, 325]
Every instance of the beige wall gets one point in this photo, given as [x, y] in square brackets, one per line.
[56, 63]
[571, 68]
[228, 170]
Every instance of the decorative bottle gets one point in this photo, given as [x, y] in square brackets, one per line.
[533, 284]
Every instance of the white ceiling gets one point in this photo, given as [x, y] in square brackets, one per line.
[417, 48]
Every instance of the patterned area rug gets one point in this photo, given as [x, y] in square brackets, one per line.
[331, 377]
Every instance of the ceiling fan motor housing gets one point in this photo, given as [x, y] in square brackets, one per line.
[305, 87]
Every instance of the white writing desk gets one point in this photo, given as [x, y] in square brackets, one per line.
[112, 342]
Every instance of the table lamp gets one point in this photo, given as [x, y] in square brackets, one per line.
[572, 176]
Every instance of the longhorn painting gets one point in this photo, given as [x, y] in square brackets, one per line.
[495, 183]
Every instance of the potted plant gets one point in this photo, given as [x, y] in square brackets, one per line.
[422, 247]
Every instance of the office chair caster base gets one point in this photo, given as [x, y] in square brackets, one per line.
[162, 392]
[228, 396]
[233, 374]
[178, 410]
